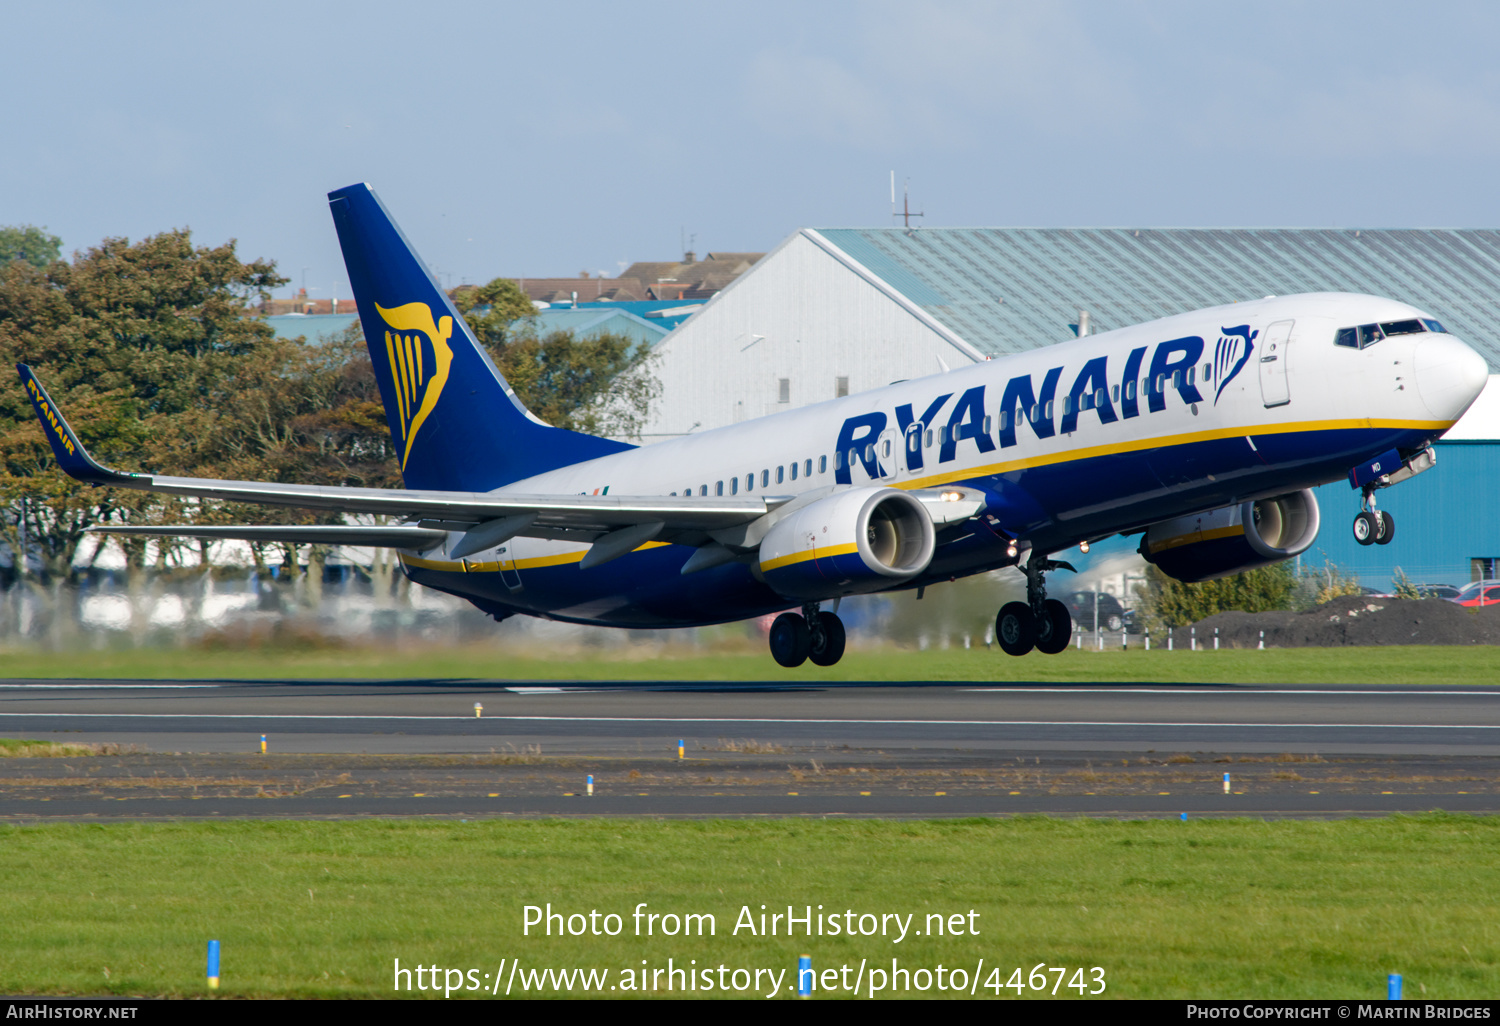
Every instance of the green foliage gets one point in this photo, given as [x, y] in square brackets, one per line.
[1164, 602]
[602, 384]
[144, 345]
[1331, 582]
[149, 349]
[737, 657]
[1230, 908]
[28, 243]
[1402, 587]
[491, 309]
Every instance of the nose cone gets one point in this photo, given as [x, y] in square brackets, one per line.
[1450, 375]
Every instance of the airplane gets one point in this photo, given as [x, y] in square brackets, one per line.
[1203, 432]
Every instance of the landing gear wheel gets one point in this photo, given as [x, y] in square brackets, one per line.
[790, 640]
[1387, 528]
[1015, 628]
[1054, 628]
[827, 644]
[1366, 528]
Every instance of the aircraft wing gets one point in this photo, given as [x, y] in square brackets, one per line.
[389, 536]
[486, 518]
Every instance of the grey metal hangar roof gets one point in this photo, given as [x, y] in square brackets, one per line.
[1007, 290]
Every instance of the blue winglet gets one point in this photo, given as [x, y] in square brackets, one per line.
[72, 457]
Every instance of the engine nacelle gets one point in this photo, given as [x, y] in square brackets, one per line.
[1225, 541]
[846, 544]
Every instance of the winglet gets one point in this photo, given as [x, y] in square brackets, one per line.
[72, 457]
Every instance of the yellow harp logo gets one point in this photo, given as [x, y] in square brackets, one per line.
[419, 357]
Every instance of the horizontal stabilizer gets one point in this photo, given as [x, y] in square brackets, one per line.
[387, 536]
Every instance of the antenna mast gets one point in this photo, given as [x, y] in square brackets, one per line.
[906, 211]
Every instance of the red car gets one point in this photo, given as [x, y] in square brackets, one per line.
[1480, 593]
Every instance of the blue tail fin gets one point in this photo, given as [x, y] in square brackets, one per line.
[455, 422]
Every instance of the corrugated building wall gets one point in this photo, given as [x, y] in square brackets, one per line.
[1444, 518]
[801, 317]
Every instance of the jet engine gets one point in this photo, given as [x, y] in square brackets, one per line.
[849, 543]
[1225, 541]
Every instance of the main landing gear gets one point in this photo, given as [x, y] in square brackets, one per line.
[815, 634]
[1373, 526]
[1039, 622]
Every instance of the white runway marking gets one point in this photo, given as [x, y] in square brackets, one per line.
[1221, 692]
[751, 719]
[40, 686]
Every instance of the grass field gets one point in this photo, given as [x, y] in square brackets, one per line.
[1228, 909]
[1396, 664]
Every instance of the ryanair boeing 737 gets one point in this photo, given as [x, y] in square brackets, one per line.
[1203, 432]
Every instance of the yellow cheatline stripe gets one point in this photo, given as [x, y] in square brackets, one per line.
[1164, 441]
[536, 562]
[1070, 456]
[1196, 536]
[804, 556]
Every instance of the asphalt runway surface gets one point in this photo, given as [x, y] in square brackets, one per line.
[416, 748]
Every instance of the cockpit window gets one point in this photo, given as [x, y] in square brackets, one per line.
[1367, 335]
[1362, 337]
[1412, 327]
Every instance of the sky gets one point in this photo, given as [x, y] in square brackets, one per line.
[541, 140]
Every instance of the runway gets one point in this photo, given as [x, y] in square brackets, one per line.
[432, 717]
[771, 749]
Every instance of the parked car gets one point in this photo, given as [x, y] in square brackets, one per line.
[1442, 591]
[1112, 615]
[1479, 593]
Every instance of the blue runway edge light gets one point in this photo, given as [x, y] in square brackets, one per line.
[213, 964]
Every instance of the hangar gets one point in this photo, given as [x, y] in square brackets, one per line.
[835, 311]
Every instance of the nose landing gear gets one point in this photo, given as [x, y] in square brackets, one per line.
[815, 634]
[1039, 622]
[1373, 526]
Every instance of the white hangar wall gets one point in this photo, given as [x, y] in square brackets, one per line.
[806, 314]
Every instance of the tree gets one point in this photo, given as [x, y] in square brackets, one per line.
[1166, 602]
[29, 243]
[491, 310]
[141, 344]
[602, 384]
